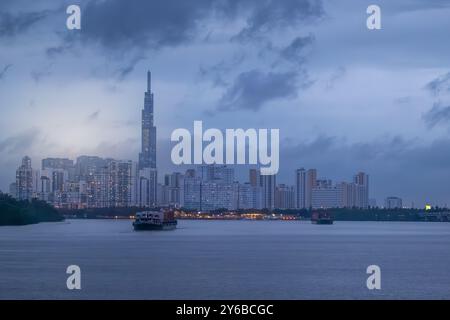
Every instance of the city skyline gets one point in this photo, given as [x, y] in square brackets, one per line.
[60, 179]
[346, 98]
[94, 182]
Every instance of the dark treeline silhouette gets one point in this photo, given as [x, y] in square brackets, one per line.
[15, 212]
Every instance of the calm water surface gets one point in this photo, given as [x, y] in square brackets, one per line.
[226, 260]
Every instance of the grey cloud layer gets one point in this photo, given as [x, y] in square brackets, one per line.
[14, 24]
[438, 114]
[252, 89]
[116, 24]
[440, 84]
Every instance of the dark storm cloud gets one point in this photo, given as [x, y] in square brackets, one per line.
[268, 15]
[252, 89]
[295, 51]
[4, 70]
[440, 84]
[116, 24]
[438, 114]
[13, 24]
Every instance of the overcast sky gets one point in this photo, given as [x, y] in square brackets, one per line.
[345, 98]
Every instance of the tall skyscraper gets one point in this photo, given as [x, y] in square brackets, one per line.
[147, 184]
[24, 180]
[362, 189]
[268, 191]
[147, 157]
[300, 188]
[311, 183]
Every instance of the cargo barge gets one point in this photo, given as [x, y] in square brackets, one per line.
[155, 220]
[321, 218]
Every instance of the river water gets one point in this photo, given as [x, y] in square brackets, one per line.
[226, 260]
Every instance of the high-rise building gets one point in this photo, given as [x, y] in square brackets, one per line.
[147, 157]
[249, 196]
[255, 177]
[325, 196]
[72, 196]
[192, 190]
[120, 183]
[300, 188]
[162, 195]
[218, 190]
[24, 180]
[147, 186]
[147, 182]
[44, 188]
[174, 184]
[61, 164]
[211, 187]
[268, 191]
[362, 190]
[213, 172]
[346, 194]
[97, 190]
[284, 197]
[311, 183]
[87, 166]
